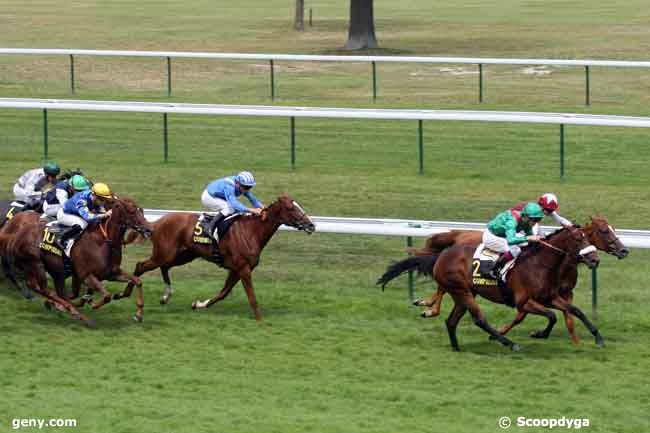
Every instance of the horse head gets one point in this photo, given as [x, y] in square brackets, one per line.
[287, 211]
[573, 241]
[130, 215]
[603, 237]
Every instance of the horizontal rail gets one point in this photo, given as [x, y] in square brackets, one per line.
[320, 112]
[325, 58]
[419, 228]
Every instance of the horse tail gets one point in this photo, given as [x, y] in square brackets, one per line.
[436, 244]
[423, 264]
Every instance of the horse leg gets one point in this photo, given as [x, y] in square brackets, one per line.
[231, 280]
[564, 305]
[481, 322]
[568, 320]
[247, 281]
[9, 271]
[182, 258]
[140, 268]
[38, 283]
[139, 296]
[435, 303]
[93, 283]
[452, 322]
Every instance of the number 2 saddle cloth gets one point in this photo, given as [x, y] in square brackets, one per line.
[483, 261]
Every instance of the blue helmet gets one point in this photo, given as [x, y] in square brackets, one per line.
[245, 178]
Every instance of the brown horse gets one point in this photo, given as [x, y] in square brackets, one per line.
[598, 230]
[95, 256]
[19, 242]
[532, 283]
[240, 248]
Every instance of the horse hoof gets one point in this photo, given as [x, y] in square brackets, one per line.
[117, 296]
[194, 305]
[515, 347]
[417, 302]
[138, 319]
[538, 334]
[600, 342]
[164, 300]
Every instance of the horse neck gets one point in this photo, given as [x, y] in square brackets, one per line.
[112, 232]
[256, 231]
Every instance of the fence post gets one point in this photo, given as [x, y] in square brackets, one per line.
[293, 142]
[409, 243]
[374, 81]
[562, 151]
[480, 83]
[421, 146]
[165, 138]
[272, 80]
[169, 76]
[587, 87]
[309, 17]
[45, 149]
[71, 74]
[594, 294]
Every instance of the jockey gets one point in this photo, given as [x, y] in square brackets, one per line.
[501, 233]
[83, 208]
[57, 196]
[29, 188]
[221, 195]
[550, 205]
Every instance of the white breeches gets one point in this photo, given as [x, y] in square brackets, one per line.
[51, 210]
[69, 220]
[216, 204]
[25, 196]
[498, 244]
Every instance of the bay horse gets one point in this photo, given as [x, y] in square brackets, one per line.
[598, 230]
[533, 281]
[240, 248]
[95, 256]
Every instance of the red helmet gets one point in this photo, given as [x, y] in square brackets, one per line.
[549, 202]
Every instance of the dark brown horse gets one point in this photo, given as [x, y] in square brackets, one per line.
[95, 256]
[533, 282]
[240, 248]
[598, 230]
[19, 242]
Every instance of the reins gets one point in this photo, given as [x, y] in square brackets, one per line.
[553, 247]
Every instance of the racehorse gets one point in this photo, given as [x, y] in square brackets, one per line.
[240, 248]
[95, 256]
[598, 230]
[530, 284]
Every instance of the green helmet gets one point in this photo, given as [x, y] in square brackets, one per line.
[533, 210]
[79, 183]
[52, 168]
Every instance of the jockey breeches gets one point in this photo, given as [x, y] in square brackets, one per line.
[216, 204]
[68, 219]
[498, 244]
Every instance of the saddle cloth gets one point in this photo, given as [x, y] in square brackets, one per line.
[482, 263]
[51, 242]
[212, 227]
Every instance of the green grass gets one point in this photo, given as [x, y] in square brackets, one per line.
[334, 353]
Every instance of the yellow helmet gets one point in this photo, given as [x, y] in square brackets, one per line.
[102, 190]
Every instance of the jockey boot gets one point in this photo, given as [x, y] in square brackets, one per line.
[498, 265]
[213, 225]
[70, 233]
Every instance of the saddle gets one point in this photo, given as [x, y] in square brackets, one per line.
[483, 261]
[210, 228]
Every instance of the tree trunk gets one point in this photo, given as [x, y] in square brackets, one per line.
[299, 22]
[361, 33]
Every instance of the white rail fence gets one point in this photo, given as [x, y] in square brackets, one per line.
[165, 109]
[373, 60]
